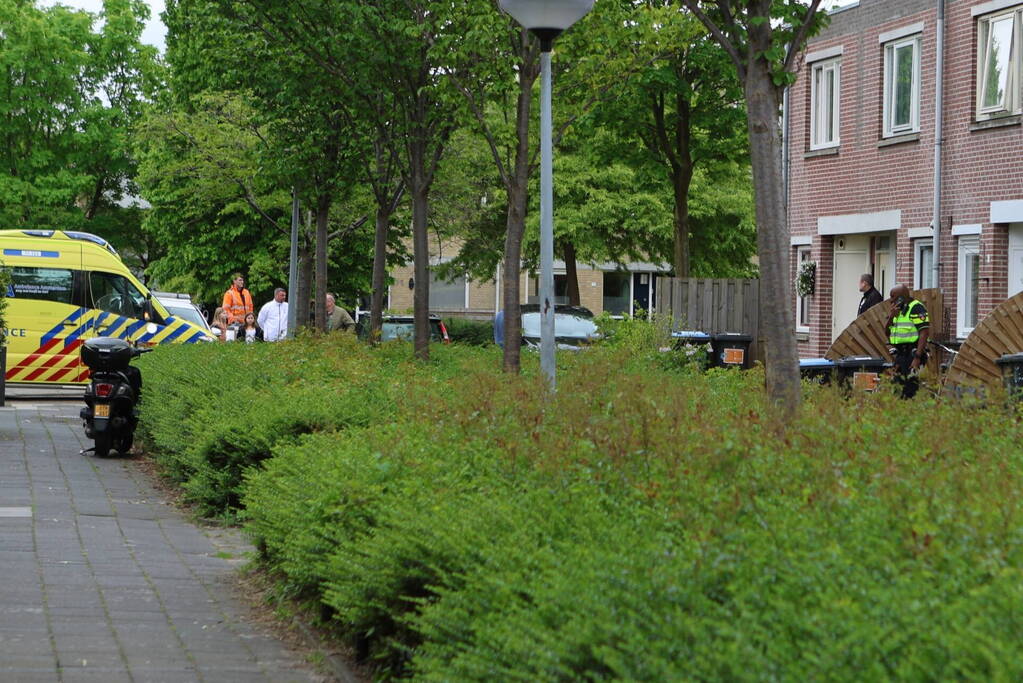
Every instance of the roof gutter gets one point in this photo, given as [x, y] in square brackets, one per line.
[939, 96]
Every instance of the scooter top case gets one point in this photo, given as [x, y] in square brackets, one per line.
[107, 354]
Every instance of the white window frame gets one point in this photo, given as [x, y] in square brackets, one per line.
[1012, 98]
[890, 129]
[821, 116]
[803, 250]
[918, 249]
[968, 245]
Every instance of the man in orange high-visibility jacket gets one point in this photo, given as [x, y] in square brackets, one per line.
[237, 301]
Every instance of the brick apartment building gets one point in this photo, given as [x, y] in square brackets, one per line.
[619, 290]
[860, 158]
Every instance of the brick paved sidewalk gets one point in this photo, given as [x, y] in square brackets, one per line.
[101, 580]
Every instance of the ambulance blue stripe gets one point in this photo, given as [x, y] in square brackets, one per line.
[100, 318]
[77, 333]
[59, 327]
[195, 338]
[113, 327]
[175, 334]
[132, 329]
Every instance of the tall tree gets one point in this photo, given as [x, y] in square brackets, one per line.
[763, 38]
[386, 54]
[221, 44]
[69, 99]
[496, 70]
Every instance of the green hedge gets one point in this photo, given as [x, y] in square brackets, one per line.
[474, 332]
[644, 523]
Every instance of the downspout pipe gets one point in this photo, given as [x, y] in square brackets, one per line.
[785, 159]
[939, 102]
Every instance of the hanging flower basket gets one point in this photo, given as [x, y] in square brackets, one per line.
[806, 278]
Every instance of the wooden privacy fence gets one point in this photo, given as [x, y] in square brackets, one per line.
[711, 305]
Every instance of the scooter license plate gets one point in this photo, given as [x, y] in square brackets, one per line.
[101, 410]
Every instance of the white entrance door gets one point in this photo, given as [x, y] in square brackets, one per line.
[1015, 259]
[852, 259]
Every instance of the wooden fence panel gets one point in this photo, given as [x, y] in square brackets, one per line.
[713, 306]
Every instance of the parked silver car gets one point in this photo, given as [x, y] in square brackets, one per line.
[573, 326]
[181, 306]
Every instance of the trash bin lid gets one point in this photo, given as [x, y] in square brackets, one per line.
[694, 335]
[733, 337]
[1011, 359]
[807, 363]
[861, 362]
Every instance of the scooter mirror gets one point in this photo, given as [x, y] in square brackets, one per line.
[151, 328]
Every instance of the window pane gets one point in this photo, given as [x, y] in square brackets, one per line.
[114, 294]
[803, 302]
[446, 295]
[560, 288]
[616, 293]
[46, 284]
[996, 62]
[818, 82]
[829, 106]
[926, 267]
[973, 292]
[903, 86]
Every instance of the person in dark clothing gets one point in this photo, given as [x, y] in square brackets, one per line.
[908, 328]
[871, 297]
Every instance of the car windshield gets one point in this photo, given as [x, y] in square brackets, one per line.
[405, 330]
[185, 312]
[402, 331]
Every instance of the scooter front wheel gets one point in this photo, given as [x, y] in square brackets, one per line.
[102, 441]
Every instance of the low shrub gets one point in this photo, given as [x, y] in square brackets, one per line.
[642, 523]
[473, 332]
[212, 412]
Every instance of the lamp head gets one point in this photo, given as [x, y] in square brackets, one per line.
[546, 18]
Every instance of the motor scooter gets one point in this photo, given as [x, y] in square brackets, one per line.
[111, 399]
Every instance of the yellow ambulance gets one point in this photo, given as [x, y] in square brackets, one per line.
[65, 288]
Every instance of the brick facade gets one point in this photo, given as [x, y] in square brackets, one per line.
[868, 175]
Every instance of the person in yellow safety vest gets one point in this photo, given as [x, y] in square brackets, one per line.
[237, 301]
[908, 328]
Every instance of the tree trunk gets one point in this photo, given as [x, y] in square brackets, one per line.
[511, 274]
[571, 274]
[680, 181]
[517, 184]
[376, 306]
[420, 251]
[777, 317]
[320, 306]
[305, 279]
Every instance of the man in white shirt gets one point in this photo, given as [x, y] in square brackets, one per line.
[273, 317]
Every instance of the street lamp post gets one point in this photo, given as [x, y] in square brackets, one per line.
[546, 19]
[293, 267]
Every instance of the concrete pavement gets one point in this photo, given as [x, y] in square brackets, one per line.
[102, 580]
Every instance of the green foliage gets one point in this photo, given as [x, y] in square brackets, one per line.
[641, 524]
[69, 99]
[209, 420]
[474, 332]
